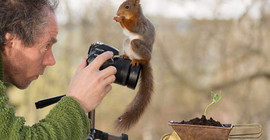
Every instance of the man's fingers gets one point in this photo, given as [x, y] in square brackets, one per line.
[82, 65]
[109, 80]
[111, 70]
[100, 59]
[108, 88]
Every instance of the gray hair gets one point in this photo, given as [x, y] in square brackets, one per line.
[24, 19]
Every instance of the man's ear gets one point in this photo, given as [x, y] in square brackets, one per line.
[10, 38]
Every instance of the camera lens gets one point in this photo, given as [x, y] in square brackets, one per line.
[133, 76]
[126, 75]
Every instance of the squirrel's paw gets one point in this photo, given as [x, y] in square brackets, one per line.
[134, 62]
[125, 57]
[118, 18]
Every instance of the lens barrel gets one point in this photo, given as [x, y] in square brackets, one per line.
[127, 75]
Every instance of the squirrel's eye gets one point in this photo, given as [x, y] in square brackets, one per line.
[127, 7]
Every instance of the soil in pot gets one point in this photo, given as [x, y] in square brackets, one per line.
[202, 121]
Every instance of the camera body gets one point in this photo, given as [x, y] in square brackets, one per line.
[127, 75]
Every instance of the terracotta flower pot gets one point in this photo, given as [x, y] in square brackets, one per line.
[202, 132]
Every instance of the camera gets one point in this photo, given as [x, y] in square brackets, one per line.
[127, 75]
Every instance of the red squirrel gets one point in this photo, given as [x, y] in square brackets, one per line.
[138, 48]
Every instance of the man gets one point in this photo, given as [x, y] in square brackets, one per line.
[28, 30]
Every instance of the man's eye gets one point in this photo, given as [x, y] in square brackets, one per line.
[47, 47]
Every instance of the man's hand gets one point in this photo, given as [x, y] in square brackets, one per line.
[89, 85]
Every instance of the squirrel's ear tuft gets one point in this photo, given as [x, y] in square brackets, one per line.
[136, 2]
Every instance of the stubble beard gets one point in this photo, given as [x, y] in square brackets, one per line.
[12, 76]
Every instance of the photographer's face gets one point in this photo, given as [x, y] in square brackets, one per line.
[23, 64]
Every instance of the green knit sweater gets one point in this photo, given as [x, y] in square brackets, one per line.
[66, 121]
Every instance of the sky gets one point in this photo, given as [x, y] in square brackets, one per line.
[223, 9]
[202, 8]
[186, 9]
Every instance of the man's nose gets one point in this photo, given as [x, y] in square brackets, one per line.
[49, 58]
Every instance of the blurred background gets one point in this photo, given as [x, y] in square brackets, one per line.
[201, 46]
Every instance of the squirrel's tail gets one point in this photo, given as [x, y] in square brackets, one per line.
[137, 107]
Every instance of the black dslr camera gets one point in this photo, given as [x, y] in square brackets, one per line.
[127, 75]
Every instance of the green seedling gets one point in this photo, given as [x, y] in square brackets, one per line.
[216, 98]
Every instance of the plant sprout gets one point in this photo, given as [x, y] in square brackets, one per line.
[216, 98]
